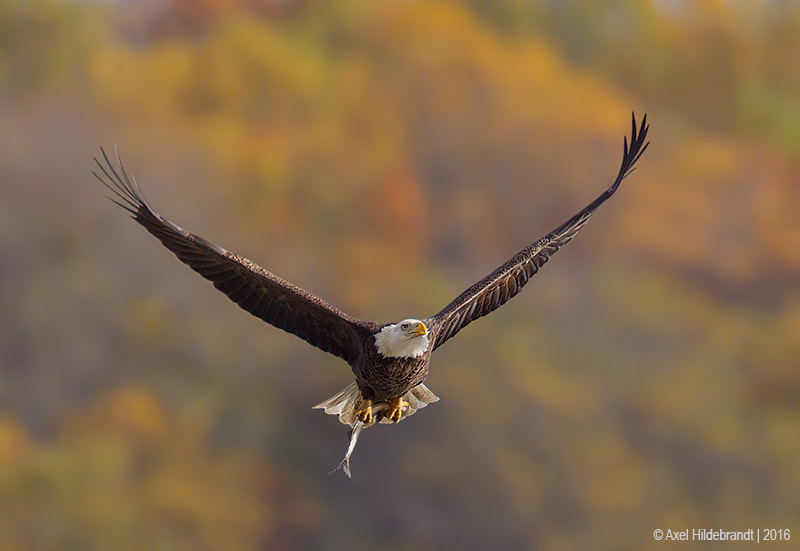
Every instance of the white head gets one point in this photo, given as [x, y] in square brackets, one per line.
[406, 339]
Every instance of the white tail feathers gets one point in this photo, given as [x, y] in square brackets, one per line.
[345, 402]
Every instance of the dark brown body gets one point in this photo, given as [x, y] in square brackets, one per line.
[381, 379]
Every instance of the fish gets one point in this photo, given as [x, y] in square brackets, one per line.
[378, 412]
[415, 399]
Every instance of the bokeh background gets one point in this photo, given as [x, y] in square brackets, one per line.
[385, 155]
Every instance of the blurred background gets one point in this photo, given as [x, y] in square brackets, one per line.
[386, 155]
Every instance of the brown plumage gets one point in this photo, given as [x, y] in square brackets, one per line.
[390, 361]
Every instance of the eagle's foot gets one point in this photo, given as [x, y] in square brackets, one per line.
[396, 407]
[364, 414]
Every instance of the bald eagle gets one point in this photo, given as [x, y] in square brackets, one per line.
[389, 360]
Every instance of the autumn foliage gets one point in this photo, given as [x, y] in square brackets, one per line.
[385, 155]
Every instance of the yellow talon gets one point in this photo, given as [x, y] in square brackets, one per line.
[364, 414]
[396, 407]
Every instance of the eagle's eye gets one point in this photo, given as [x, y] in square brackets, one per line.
[404, 327]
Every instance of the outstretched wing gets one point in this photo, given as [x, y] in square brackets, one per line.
[497, 288]
[253, 288]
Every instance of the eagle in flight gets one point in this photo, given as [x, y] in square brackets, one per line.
[390, 361]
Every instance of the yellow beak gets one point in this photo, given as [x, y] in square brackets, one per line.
[419, 330]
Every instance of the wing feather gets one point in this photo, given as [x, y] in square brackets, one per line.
[253, 288]
[508, 280]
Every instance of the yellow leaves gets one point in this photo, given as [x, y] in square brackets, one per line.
[242, 69]
[249, 67]
[137, 413]
[14, 443]
[613, 477]
[442, 57]
[149, 86]
[129, 474]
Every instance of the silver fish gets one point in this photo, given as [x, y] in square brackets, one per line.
[343, 405]
[378, 412]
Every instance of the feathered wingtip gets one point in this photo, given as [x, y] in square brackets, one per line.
[127, 193]
[344, 402]
[637, 147]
